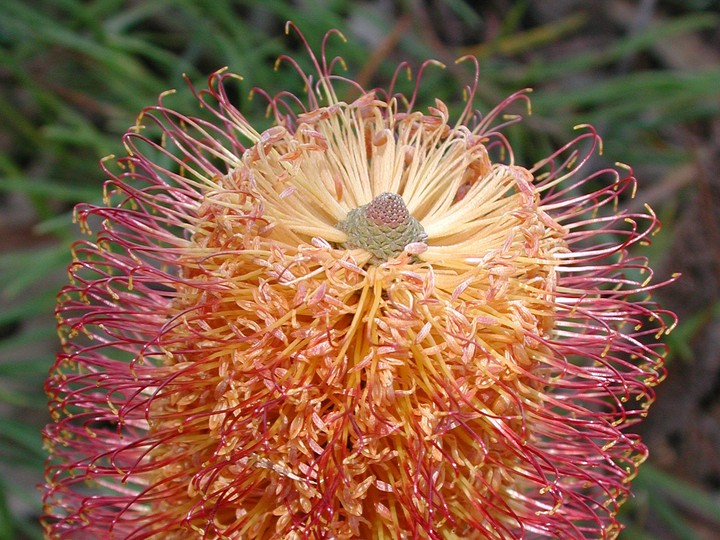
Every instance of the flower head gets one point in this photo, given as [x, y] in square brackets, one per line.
[366, 321]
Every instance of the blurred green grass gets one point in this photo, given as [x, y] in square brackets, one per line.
[74, 74]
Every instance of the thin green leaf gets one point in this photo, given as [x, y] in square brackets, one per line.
[655, 480]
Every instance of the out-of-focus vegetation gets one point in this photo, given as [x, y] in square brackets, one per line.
[74, 74]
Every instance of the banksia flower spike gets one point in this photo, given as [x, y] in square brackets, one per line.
[366, 321]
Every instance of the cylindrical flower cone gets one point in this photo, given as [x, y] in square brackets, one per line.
[367, 321]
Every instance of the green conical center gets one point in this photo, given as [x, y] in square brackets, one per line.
[383, 227]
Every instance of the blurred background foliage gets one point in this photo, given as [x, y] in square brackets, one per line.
[75, 73]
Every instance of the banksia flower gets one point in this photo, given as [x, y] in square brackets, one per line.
[366, 321]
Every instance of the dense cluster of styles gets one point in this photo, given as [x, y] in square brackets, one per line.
[367, 321]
